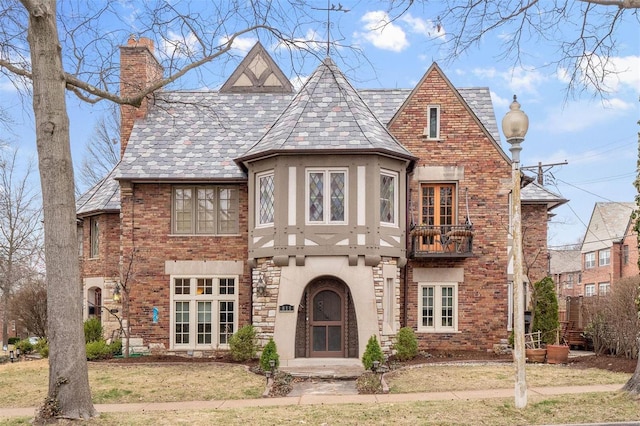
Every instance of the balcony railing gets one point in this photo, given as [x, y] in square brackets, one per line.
[441, 241]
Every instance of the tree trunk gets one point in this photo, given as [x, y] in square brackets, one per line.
[68, 375]
[633, 385]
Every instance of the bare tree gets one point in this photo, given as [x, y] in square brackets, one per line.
[633, 385]
[102, 149]
[48, 45]
[29, 307]
[19, 230]
[585, 33]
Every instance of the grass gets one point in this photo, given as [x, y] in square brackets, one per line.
[24, 384]
[594, 407]
[438, 377]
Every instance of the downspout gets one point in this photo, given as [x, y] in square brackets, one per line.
[408, 220]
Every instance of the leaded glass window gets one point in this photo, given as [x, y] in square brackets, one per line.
[388, 193]
[327, 192]
[266, 200]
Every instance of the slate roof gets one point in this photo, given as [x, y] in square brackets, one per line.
[608, 224]
[197, 135]
[104, 196]
[534, 193]
[327, 114]
[563, 261]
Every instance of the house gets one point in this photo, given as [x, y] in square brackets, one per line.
[565, 268]
[610, 247]
[321, 216]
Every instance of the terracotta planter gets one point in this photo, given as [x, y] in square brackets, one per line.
[535, 355]
[557, 354]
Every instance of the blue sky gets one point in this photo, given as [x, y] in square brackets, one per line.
[598, 138]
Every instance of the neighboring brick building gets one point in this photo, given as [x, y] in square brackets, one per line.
[566, 271]
[322, 216]
[610, 247]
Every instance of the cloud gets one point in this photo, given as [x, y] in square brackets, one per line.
[382, 33]
[425, 27]
[311, 41]
[499, 102]
[242, 45]
[578, 116]
[519, 80]
[179, 45]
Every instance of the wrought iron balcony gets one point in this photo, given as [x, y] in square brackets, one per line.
[441, 241]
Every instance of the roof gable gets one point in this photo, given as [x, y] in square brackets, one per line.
[257, 73]
[609, 223]
[480, 99]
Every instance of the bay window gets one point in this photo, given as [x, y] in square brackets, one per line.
[326, 196]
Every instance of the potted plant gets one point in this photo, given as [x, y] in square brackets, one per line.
[558, 353]
[544, 320]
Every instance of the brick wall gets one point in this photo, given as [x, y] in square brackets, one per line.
[146, 228]
[482, 297]
[138, 67]
[535, 255]
[107, 262]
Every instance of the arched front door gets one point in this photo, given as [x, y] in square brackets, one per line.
[327, 324]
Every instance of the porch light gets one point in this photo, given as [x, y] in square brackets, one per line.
[514, 126]
[261, 287]
[272, 364]
[116, 293]
[11, 356]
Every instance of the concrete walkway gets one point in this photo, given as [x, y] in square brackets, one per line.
[308, 399]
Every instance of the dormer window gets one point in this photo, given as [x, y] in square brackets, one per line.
[432, 131]
[326, 196]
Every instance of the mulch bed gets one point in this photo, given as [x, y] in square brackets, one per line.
[604, 362]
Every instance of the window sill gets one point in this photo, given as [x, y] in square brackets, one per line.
[432, 331]
[204, 235]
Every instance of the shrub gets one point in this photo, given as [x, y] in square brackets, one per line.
[545, 312]
[612, 320]
[369, 383]
[25, 346]
[243, 345]
[98, 349]
[13, 340]
[407, 344]
[269, 352]
[115, 347]
[92, 330]
[373, 352]
[42, 347]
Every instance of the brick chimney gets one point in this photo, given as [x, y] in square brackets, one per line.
[138, 67]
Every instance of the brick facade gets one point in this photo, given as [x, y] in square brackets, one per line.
[140, 238]
[146, 232]
[481, 297]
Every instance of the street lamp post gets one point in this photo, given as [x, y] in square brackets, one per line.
[514, 126]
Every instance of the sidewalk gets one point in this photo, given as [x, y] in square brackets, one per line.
[327, 399]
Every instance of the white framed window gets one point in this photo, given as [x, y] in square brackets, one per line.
[604, 288]
[590, 260]
[204, 311]
[205, 209]
[326, 196]
[265, 199]
[432, 131]
[589, 289]
[604, 257]
[94, 237]
[438, 307]
[569, 281]
[388, 198]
